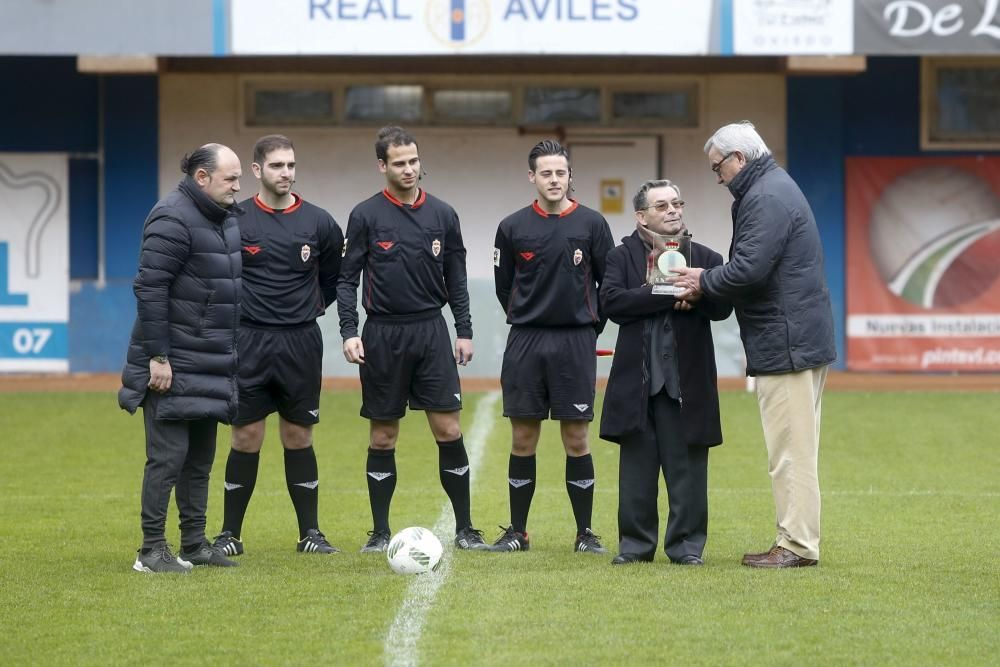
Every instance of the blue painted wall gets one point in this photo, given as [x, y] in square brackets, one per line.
[101, 320]
[816, 127]
[49, 106]
[58, 110]
[131, 156]
[881, 109]
[83, 236]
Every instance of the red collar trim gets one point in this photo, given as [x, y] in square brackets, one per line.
[294, 207]
[545, 214]
[421, 198]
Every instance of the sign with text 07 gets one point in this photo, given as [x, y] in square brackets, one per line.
[34, 263]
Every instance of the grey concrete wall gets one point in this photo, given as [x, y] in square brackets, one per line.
[110, 27]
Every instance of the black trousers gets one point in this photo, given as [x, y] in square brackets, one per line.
[179, 454]
[685, 469]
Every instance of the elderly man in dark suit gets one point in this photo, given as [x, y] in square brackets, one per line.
[662, 401]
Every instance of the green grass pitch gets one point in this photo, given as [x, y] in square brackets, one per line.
[909, 572]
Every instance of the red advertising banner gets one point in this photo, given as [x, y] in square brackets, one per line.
[923, 264]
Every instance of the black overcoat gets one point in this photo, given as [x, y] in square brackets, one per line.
[635, 309]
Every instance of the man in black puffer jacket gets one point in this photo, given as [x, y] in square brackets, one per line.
[181, 360]
[775, 280]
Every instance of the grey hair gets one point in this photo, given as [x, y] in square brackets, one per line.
[740, 137]
[640, 202]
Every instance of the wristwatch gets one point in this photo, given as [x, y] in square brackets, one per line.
[160, 358]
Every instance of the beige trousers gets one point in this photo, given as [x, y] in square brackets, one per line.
[790, 405]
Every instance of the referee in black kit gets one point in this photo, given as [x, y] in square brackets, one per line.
[409, 245]
[547, 264]
[291, 258]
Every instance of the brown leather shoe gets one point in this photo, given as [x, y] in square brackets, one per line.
[749, 558]
[780, 557]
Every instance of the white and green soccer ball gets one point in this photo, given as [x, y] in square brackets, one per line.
[414, 550]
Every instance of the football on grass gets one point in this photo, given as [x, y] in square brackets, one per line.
[414, 551]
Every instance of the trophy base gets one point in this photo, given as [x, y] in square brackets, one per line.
[669, 290]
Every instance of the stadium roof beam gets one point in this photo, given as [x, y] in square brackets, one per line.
[826, 64]
[136, 64]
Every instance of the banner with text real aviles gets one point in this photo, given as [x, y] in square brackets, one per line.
[923, 238]
[438, 27]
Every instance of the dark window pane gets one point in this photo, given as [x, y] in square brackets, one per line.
[968, 100]
[472, 106]
[562, 105]
[384, 103]
[292, 107]
[675, 107]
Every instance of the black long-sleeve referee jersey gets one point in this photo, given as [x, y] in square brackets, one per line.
[291, 260]
[413, 259]
[548, 267]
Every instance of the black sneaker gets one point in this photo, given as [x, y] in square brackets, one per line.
[511, 540]
[160, 560]
[589, 543]
[315, 543]
[378, 542]
[471, 539]
[207, 554]
[229, 545]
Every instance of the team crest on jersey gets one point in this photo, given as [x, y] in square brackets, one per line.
[305, 253]
[436, 247]
[577, 257]
[385, 245]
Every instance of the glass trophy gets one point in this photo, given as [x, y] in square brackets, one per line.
[669, 252]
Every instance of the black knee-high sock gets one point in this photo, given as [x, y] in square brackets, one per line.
[381, 474]
[580, 485]
[453, 462]
[521, 481]
[241, 477]
[302, 478]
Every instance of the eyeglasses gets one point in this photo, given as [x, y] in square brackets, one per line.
[717, 167]
[664, 206]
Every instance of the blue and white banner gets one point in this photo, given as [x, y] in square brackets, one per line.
[34, 263]
[431, 27]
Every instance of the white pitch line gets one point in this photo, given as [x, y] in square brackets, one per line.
[404, 633]
[870, 492]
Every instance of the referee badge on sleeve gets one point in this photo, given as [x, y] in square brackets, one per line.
[496, 256]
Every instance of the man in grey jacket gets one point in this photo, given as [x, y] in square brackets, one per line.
[775, 280]
[181, 361]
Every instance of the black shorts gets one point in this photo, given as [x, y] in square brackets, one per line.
[547, 369]
[408, 362]
[281, 370]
